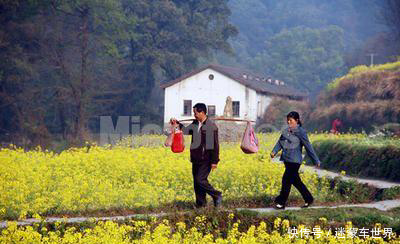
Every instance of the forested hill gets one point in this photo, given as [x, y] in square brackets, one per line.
[363, 98]
[307, 43]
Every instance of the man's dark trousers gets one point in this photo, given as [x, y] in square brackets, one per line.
[200, 171]
[292, 177]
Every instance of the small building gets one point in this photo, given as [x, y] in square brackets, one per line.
[250, 93]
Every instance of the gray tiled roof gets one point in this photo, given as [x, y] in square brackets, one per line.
[247, 78]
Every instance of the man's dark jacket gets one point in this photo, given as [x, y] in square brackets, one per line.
[204, 147]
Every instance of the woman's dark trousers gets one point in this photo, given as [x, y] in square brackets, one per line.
[202, 187]
[292, 177]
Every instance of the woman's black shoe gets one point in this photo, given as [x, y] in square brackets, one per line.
[217, 201]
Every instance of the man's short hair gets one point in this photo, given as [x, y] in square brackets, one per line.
[200, 107]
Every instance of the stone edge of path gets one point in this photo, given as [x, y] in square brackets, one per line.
[381, 205]
[32, 221]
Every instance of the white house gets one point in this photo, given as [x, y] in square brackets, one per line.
[251, 93]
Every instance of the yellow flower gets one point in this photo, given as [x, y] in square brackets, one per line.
[22, 215]
[323, 220]
[37, 216]
[285, 224]
[277, 223]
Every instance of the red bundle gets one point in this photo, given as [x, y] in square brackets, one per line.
[177, 142]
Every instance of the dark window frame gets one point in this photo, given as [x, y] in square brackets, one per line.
[208, 110]
[188, 105]
[236, 108]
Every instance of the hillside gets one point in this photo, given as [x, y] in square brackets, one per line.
[364, 98]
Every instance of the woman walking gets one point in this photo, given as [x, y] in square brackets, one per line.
[291, 142]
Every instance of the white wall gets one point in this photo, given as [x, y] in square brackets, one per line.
[199, 88]
[263, 102]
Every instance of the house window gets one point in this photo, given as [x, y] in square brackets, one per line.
[211, 77]
[187, 107]
[211, 110]
[236, 108]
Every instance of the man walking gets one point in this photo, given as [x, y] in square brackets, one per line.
[204, 153]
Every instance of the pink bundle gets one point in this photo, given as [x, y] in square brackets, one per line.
[249, 141]
[170, 137]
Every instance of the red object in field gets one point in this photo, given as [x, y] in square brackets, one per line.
[177, 141]
[249, 141]
[336, 124]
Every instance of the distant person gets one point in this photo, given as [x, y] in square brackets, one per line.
[204, 153]
[336, 124]
[292, 141]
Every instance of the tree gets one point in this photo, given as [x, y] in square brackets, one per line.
[21, 117]
[73, 60]
[303, 57]
[170, 37]
[86, 37]
[391, 16]
[260, 20]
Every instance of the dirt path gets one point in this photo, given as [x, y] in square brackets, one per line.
[331, 174]
[381, 205]
[31, 221]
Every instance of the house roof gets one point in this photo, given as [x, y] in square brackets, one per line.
[247, 78]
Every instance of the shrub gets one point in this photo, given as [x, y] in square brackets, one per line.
[362, 157]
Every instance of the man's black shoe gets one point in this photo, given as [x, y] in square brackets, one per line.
[217, 201]
[306, 205]
[279, 206]
[199, 206]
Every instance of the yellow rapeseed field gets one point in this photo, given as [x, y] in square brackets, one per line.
[147, 174]
[145, 232]
[78, 179]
